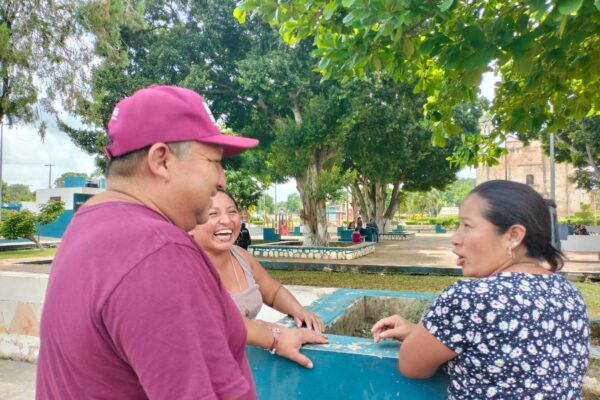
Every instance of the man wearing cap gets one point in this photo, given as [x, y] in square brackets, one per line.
[134, 309]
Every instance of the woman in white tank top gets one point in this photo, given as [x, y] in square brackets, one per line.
[250, 285]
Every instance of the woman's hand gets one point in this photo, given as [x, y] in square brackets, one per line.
[312, 321]
[394, 327]
[290, 341]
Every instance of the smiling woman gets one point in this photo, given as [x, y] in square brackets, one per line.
[250, 285]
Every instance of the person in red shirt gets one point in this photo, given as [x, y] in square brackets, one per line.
[356, 236]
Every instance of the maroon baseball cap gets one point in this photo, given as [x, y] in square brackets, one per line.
[166, 114]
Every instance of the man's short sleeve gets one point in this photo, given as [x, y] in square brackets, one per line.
[167, 319]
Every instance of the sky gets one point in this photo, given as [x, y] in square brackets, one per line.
[25, 158]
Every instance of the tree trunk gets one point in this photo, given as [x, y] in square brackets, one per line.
[36, 239]
[373, 197]
[314, 211]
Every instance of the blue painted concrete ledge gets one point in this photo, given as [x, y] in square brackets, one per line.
[346, 368]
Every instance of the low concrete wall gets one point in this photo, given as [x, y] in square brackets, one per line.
[312, 252]
[21, 299]
[581, 243]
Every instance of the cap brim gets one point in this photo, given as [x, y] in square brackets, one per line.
[232, 145]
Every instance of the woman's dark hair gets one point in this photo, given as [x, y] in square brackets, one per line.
[225, 192]
[511, 203]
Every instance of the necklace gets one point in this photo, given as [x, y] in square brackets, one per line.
[240, 298]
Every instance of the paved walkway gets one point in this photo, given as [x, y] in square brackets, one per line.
[435, 250]
[425, 250]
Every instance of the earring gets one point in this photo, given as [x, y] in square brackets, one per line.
[510, 253]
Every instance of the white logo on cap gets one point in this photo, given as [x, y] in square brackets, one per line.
[212, 118]
[115, 114]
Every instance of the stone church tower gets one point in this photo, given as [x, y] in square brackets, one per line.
[529, 164]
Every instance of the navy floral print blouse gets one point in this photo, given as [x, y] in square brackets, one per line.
[517, 335]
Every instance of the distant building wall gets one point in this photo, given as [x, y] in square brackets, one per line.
[529, 164]
[73, 197]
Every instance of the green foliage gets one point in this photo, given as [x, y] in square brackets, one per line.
[388, 143]
[544, 53]
[18, 224]
[43, 48]
[23, 223]
[293, 203]
[60, 181]
[458, 190]
[245, 190]
[50, 211]
[16, 192]
[579, 144]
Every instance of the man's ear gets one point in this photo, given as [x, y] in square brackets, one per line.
[159, 156]
[515, 235]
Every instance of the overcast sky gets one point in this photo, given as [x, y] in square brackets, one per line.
[25, 157]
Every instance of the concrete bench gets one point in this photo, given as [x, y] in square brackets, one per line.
[426, 228]
[582, 244]
[269, 235]
[397, 235]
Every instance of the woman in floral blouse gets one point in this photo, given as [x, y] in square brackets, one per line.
[518, 330]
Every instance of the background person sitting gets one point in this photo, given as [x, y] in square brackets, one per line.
[356, 236]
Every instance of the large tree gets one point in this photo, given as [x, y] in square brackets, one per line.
[579, 144]
[255, 85]
[388, 146]
[45, 53]
[17, 192]
[543, 52]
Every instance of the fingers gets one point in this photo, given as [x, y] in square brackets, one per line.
[385, 325]
[292, 339]
[308, 336]
[312, 321]
[300, 359]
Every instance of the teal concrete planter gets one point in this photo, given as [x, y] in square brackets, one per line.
[348, 367]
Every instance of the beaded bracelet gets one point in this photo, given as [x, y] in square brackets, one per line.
[273, 348]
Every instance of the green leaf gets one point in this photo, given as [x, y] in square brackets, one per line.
[348, 3]
[567, 7]
[445, 4]
[474, 36]
[480, 59]
[407, 47]
[361, 13]
[240, 15]
[329, 9]
[563, 25]
[597, 4]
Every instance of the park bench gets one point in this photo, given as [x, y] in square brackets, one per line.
[396, 235]
[426, 228]
[582, 244]
[269, 235]
[345, 235]
[297, 231]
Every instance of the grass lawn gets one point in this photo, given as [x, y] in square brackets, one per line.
[407, 283]
[5, 255]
